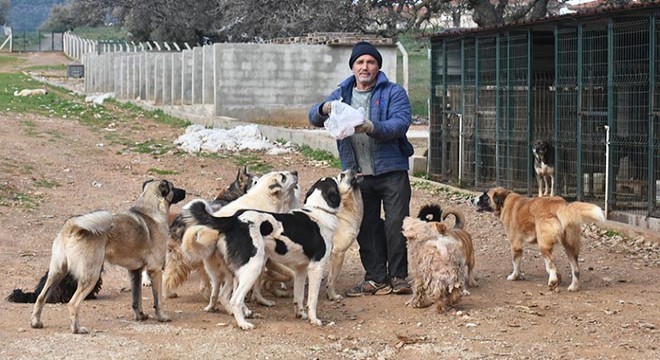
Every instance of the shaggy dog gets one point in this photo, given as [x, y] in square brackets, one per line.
[542, 220]
[134, 239]
[276, 191]
[436, 264]
[31, 92]
[433, 213]
[61, 294]
[304, 244]
[177, 267]
[544, 165]
[349, 219]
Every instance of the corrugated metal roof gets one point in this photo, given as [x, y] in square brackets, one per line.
[596, 12]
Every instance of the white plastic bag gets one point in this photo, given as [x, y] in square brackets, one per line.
[343, 120]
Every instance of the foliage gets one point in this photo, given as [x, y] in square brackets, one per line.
[5, 5]
[320, 155]
[76, 13]
[29, 14]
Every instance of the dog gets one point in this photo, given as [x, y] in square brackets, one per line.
[177, 268]
[433, 213]
[437, 264]
[349, 219]
[276, 191]
[31, 92]
[241, 252]
[542, 220]
[304, 244]
[544, 165]
[61, 294]
[134, 239]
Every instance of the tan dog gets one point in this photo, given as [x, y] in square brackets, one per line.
[134, 239]
[465, 239]
[349, 219]
[436, 262]
[31, 92]
[543, 220]
[275, 192]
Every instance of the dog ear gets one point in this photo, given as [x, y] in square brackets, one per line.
[164, 188]
[498, 198]
[275, 186]
[440, 227]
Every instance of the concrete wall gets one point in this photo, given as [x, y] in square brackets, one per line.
[251, 82]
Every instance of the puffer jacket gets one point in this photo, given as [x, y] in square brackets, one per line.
[389, 110]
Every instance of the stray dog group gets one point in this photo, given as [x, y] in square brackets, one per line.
[31, 92]
[135, 239]
[542, 220]
[303, 243]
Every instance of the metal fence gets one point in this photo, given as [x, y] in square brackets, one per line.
[37, 41]
[589, 86]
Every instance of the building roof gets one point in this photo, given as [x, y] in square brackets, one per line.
[584, 13]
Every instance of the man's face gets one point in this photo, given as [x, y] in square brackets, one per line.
[365, 69]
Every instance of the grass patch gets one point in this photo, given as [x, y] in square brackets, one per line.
[12, 198]
[47, 68]
[320, 155]
[161, 172]
[6, 60]
[419, 73]
[43, 183]
[253, 162]
[151, 147]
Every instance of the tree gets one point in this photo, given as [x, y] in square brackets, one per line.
[75, 13]
[5, 5]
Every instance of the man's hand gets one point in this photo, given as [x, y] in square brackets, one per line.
[365, 128]
[326, 108]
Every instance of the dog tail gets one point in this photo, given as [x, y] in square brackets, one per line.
[199, 212]
[177, 267]
[431, 212]
[577, 213]
[202, 230]
[18, 296]
[458, 214]
[97, 222]
[16, 93]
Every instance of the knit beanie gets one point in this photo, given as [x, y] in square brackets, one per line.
[364, 48]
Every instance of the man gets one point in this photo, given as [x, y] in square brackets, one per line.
[379, 150]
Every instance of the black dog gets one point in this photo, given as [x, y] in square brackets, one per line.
[60, 294]
[544, 165]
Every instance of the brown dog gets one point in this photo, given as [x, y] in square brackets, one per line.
[135, 239]
[544, 220]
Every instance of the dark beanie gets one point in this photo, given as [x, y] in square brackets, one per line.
[364, 48]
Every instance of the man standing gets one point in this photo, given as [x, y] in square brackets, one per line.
[379, 150]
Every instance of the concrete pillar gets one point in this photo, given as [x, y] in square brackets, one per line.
[208, 71]
[186, 77]
[197, 74]
[150, 75]
[167, 78]
[142, 87]
[177, 72]
[117, 74]
[158, 78]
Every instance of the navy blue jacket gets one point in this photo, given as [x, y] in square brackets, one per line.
[389, 110]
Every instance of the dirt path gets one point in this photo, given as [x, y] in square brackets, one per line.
[53, 168]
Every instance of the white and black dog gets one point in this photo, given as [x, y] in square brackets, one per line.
[544, 165]
[304, 244]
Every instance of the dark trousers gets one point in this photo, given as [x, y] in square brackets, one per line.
[382, 246]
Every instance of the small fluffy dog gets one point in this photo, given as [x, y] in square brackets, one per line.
[304, 244]
[134, 239]
[349, 219]
[437, 264]
[60, 294]
[542, 220]
[177, 267]
[544, 165]
[31, 92]
[433, 213]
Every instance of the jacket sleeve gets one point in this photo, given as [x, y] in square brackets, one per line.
[315, 117]
[396, 121]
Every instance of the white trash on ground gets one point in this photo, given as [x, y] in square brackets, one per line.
[98, 98]
[244, 137]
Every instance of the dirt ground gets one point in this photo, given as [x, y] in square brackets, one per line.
[53, 168]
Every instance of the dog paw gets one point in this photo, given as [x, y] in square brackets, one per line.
[514, 277]
[465, 292]
[163, 318]
[36, 324]
[265, 302]
[140, 316]
[334, 297]
[80, 330]
[574, 288]
[316, 322]
[210, 308]
[244, 325]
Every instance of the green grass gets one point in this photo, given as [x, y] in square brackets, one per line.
[47, 67]
[320, 155]
[253, 162]
[162, 172]
[419, 74]
[43, 183]
[10, 60]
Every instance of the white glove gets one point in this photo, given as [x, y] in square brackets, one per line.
[365, 128]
